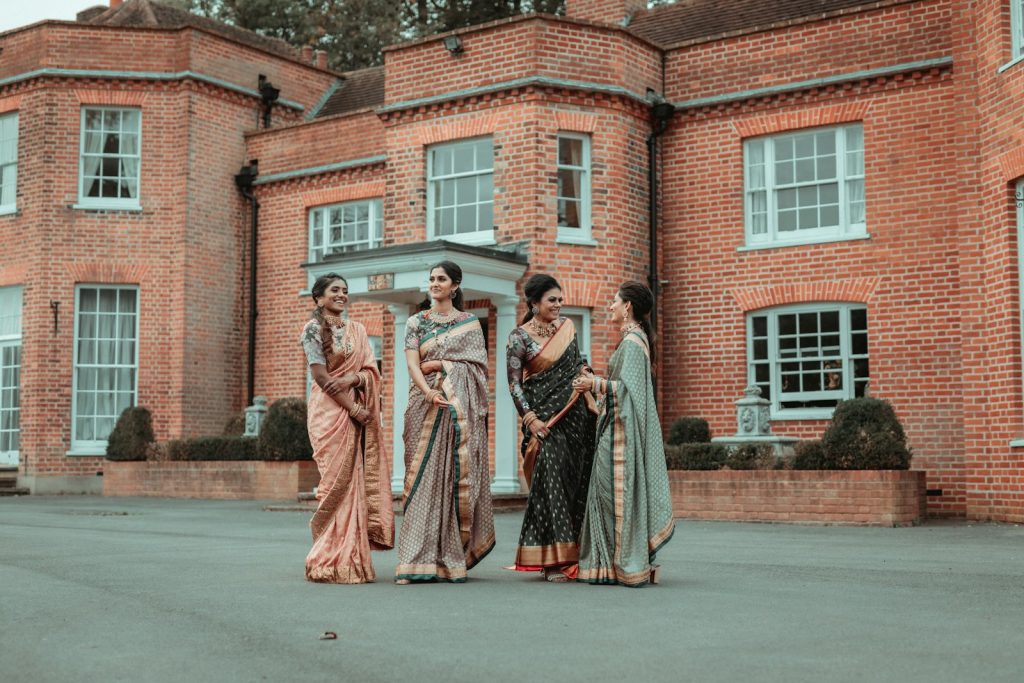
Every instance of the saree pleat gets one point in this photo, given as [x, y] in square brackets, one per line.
[448, 521]
[629, 506]
[354, 514]
[557, 468]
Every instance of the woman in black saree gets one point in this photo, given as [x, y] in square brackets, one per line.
[543, 359]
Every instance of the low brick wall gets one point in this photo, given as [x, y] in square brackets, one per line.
[865, 497]
[212, 479]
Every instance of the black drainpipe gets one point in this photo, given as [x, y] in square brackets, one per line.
[244, 180]
[661, 114]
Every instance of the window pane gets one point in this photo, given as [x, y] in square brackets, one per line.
[465, 219]
[465, 159]
[486, 217]
[570, 152]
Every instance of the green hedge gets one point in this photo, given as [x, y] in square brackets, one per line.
[808, 455]
[687, 430]
[132, 436]
[695, 456]
[751, 456]
[865, 434]
[212, 448]
[283, 435]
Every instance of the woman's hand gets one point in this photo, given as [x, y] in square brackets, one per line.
[539, 429]
[437, 399]
[429, 366]
[583, 384]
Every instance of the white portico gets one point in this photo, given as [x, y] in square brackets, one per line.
[397, 277]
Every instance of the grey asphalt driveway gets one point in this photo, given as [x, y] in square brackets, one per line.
[95, 589]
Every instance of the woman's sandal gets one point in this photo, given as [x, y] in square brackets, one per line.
[402, 582]
[655, 577]
[555, 576]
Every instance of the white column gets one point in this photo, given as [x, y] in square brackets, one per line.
[506, 459]
[400, 382]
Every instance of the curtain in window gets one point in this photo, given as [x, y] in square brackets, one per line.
[92, 150]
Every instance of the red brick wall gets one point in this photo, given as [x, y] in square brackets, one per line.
[216, 479]
[877, 498]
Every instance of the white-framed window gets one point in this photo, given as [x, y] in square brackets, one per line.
[10, 374]
[347, 227]
[573, 199]
[805, 186]
[108, 174]
[105, 380]
[807, 358]
[580, 317]
[8, 162]
[460, 191]
[1017, 27]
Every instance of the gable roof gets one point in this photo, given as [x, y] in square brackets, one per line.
[360, 89]
[690, 20]
[147, 13]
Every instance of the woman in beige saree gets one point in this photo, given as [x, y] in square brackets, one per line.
[354, 515]
[448, 521]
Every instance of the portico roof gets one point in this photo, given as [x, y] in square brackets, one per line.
[398, 274]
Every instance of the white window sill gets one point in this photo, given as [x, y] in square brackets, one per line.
[1013, 62]
[1016, 443]
[108, 207]
[484, 238]
[803, 414]
[88, 450]
[8, 209]
[575, 239]
[802, 243]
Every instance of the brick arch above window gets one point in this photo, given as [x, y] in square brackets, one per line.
[113, 98]
[585, 294]
[575, 122]
[858, 290]
[348, 193]
[106, 273]
[8, 104]
[767, 124]
[458, 128]
[1011, 164]
[13, 275]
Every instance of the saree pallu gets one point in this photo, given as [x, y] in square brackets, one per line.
[629, 507]
[355, 512]
[448, 521]
[557, 469]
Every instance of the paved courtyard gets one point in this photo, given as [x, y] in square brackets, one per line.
[100, 589]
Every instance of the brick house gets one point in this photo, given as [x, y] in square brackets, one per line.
[836, 207]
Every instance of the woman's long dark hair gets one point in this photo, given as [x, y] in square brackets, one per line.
[639, 296]
[534, 289]
[318, 290]
[454, 273]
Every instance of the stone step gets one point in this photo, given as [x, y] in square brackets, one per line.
[13, 491]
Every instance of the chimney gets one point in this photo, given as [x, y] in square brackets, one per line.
[307, 54]
[617, 12]
[114, 4]
[321, 59]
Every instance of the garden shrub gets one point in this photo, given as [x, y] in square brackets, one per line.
[751, 456]
[865, 434]
[213, 448]
[235, 426]
[688, 430]
[131, 436]
[695, 456]
[283, 435]
[808, 455]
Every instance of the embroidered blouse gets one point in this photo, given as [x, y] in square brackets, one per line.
[312, 342]
[521, 349]
[421, 325]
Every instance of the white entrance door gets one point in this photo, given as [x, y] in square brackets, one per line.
[10, 402]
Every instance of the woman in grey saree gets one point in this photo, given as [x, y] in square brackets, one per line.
[629, 508]
[448, 521]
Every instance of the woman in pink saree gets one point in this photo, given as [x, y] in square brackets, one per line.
[354, 515]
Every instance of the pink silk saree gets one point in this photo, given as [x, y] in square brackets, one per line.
[355, 512]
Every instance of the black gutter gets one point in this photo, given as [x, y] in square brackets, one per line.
[661, 114]
[244, 180]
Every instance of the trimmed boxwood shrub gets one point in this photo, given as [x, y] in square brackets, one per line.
[689, 430]
[695, 456]
[213, 448]
[283, 435]
[865, 434]
[235, 426]
[131, 436]
[808, 455]
[751, 456]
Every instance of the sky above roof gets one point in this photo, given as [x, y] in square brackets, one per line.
[16, 13]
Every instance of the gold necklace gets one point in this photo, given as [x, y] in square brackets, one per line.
[629, 327]
[544, 330]
[335, 321]
[443, 318]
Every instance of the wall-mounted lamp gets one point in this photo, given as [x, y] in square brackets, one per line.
[453, 44]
